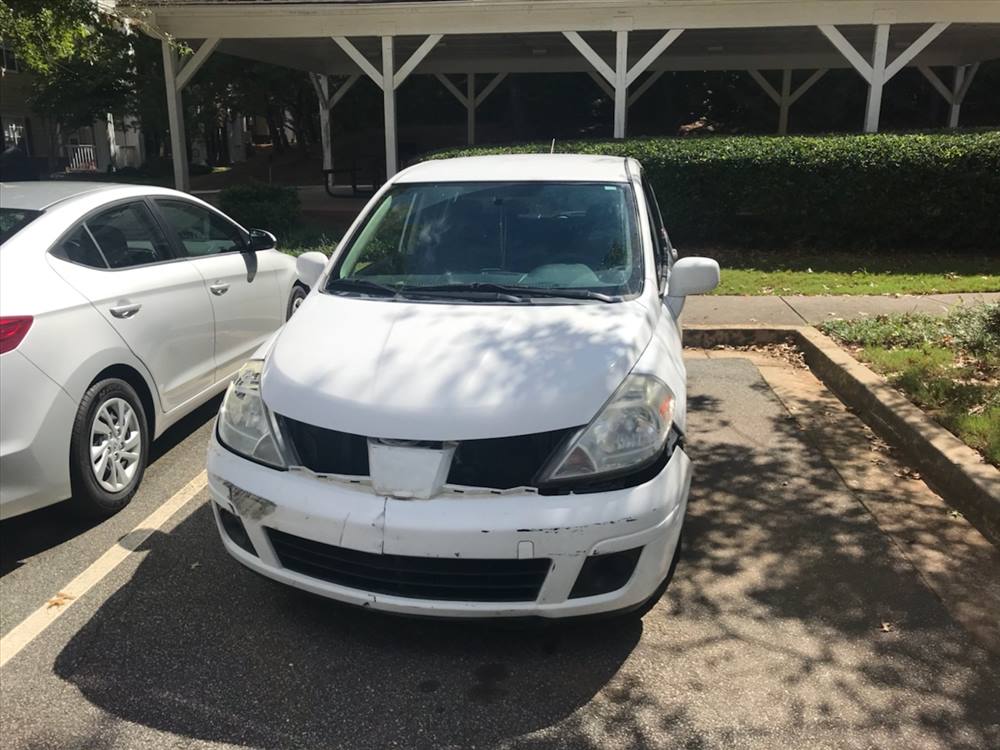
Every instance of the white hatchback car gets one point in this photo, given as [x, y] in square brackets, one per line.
[479, 411]
[122, 308]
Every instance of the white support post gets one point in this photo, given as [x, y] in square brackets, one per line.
[388, 80]
[786, 96]
[389, 109]
[956, 106]
[873, 105]
[470, 100]
[615, 82]
[621, 82]
[877, 73]
[470, 108]
[175, 118]
[322, 83]
[955, 95]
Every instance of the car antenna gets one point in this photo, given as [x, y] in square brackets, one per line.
[552, 149]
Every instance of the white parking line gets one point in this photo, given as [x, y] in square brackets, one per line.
[26, 631]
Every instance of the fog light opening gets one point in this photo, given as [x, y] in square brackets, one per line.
[235, 530]
[602, 574]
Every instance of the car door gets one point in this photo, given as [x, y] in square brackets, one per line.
[244, 287]
[120, 259]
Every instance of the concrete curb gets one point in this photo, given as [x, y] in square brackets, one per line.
[953, 469]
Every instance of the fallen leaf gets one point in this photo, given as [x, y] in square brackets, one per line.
[195, 565]
[59, 600]
[886, 627]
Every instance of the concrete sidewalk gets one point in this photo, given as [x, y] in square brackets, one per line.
[800, 310]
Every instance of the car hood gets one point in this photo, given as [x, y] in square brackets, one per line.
[433, 371]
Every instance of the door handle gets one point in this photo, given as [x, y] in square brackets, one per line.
[219, 288]
[125, 311]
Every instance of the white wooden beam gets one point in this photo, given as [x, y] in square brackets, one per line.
[621, 83]
[360, 60]
[654, 52]
[446, 82]
[322, 85]
[847, 50]
[470, 108]
[342, 89]
[785, 103]
[914, 49]
[874, 104]
[175, 118]
[645, 86]
[806, 85]
[963, 88]
[389, 108]
[591, 56]
[937, 83]
[490, 88]
[194, 62]
[414, 60]
[766, 85]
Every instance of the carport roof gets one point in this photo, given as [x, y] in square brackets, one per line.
[518, 36]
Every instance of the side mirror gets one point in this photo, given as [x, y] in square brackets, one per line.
[690, 276]
[309, 267]
[262, 240]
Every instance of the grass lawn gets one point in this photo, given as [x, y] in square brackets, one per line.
[948, 366]
[815, 273]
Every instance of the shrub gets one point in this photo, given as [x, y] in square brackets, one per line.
[884, 191]
[272, 207]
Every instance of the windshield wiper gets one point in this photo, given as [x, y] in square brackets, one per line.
[481, 289]
[362, 286]
[522, 291]
[533, 291]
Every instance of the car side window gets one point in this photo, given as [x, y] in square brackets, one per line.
[661, 245]
[79, 247]
[200, 231]
[124, 236]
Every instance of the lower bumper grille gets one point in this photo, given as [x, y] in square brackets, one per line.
[441, 578]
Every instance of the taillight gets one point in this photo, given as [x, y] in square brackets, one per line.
[12, 331]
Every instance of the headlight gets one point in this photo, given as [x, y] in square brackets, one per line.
[245, 425]
[628, 433]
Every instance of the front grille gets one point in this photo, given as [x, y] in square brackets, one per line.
[497, 463]
[442, 578]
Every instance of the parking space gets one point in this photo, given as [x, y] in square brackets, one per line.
[793, 621]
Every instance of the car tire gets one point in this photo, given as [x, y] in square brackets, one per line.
[299, 293]
[109, 448]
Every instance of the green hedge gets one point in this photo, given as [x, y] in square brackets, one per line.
[256, 205]
[938, 191]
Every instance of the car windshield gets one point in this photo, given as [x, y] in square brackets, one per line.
[12, 220]
[501, 241]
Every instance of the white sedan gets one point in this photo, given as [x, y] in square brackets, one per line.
[122, 308]
[480, 409]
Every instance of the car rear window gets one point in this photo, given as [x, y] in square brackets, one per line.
[13, 220]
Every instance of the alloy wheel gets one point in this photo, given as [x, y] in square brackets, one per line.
[115, 444]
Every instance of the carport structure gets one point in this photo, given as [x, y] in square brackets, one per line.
[625, 45]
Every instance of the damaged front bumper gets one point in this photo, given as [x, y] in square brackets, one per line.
[510, 554]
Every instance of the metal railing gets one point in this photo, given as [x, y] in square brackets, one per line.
[80, 157]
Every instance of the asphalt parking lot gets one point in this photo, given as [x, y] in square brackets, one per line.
[793, 621]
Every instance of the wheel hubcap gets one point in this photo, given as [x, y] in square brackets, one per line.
[297, 303]
[115, 445]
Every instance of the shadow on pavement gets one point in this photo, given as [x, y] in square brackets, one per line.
[32, 533]
[792, 622]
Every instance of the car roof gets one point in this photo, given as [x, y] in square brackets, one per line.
[520, 167]
[37, 196]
